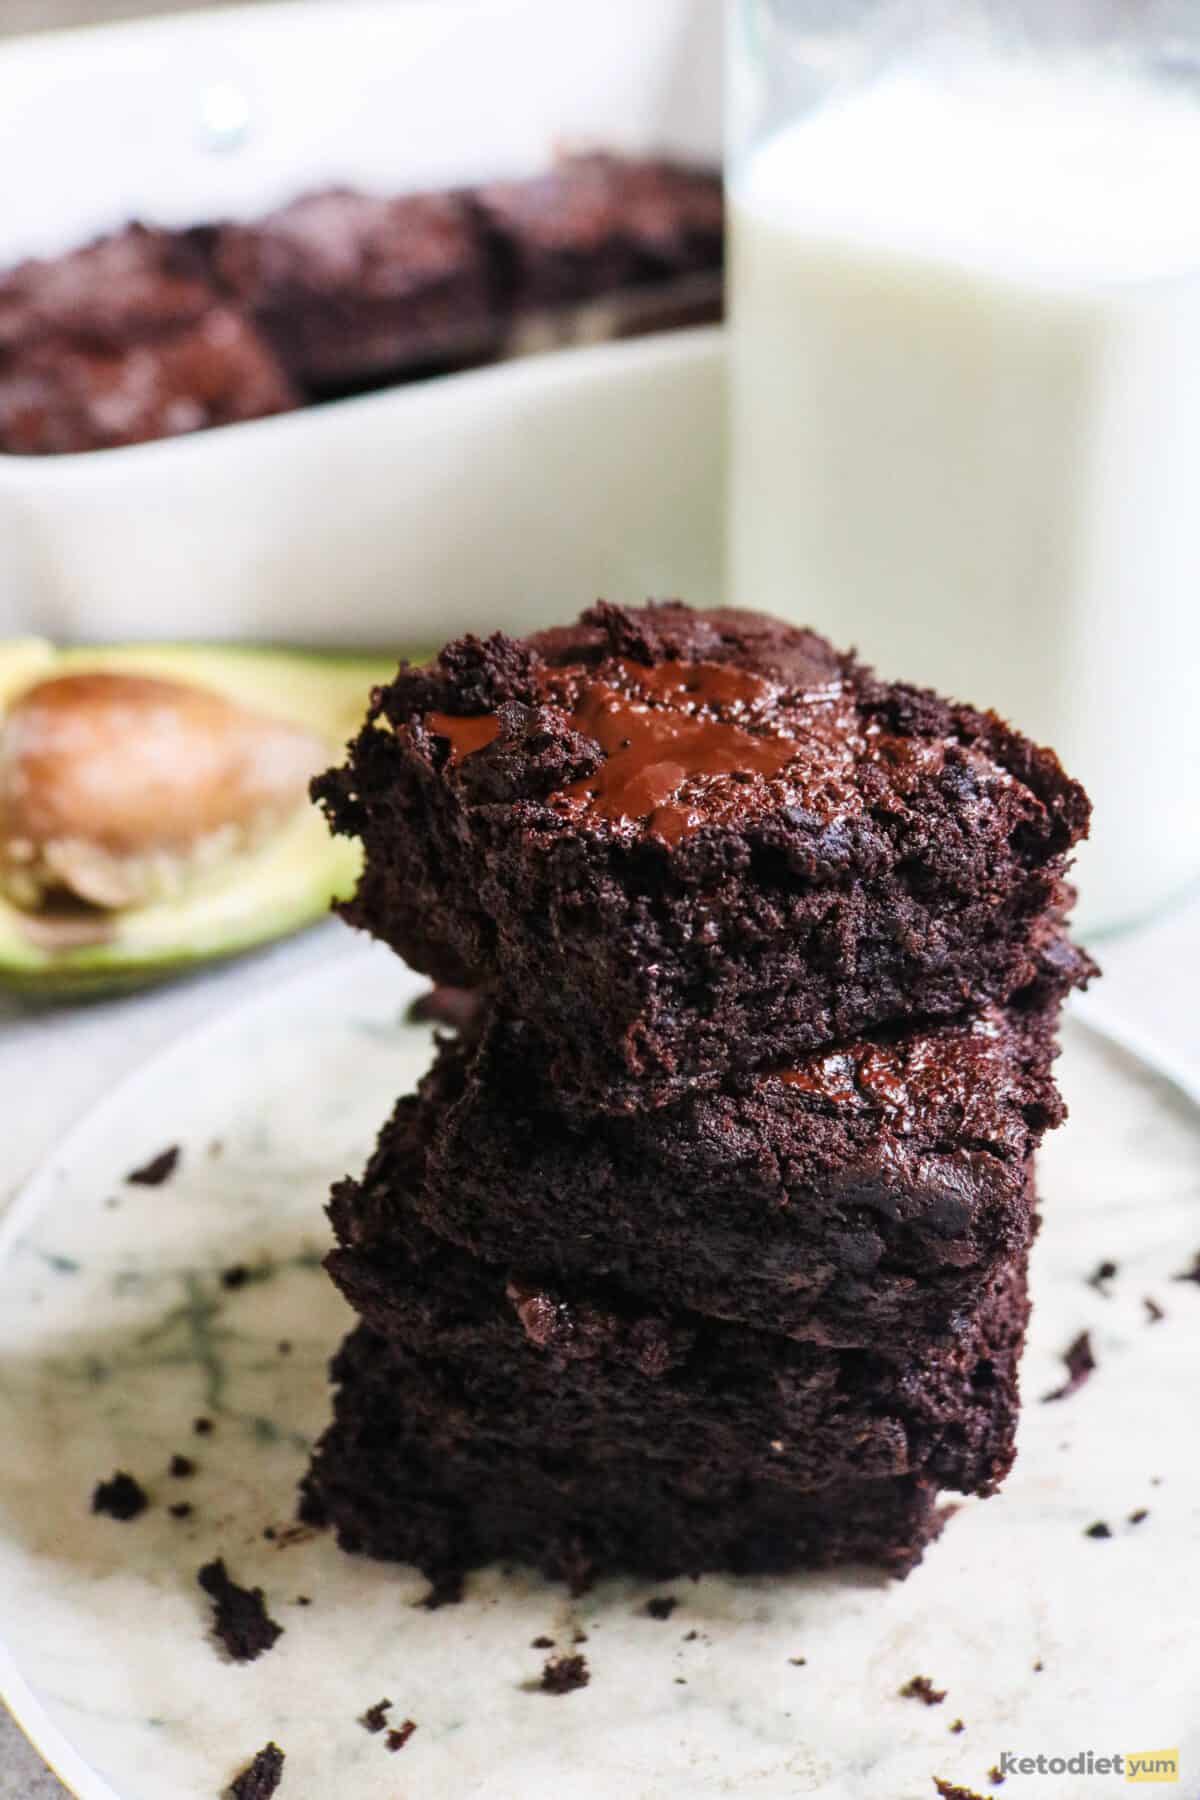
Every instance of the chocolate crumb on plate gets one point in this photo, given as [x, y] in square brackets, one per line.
[1192, 1274]
[542, 1643]
[445, 1590]
[563, 1674]
[1154, 1311]
[1038, 1666]
[182, 1509]
[240, 1617]
[996, 1775]
[1081, 1363]
[120, 1498]
[375, 1717]
[236, 1276]
[259, 1780]
[797, 1662]
[1098, 1530]
[957, 1727]
[202, 1427]
[160, 1168]
[399, 1735]
[1102, 1275]
[950, 1790]
[661, 1606]
[921, 1688]
[1143, 1512]
[181, 1467]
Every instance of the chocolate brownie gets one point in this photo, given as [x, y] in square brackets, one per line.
[397, 1489]
[350, 287]
[868, 1194]
[125, 341]
[680, 844]
[487, 1355]
[598, 223]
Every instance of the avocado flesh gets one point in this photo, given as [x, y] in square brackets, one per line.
[254, 896]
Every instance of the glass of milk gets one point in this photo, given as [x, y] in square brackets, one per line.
[965, 400]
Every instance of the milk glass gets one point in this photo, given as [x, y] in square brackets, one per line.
[965, 382]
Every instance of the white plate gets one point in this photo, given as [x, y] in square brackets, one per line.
[115, 1332]
[430, 509]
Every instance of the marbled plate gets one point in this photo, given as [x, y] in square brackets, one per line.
[116, 1332]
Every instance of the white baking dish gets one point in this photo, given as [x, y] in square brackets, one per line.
[509, 495]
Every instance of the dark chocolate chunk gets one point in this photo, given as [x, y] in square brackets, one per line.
[261, 1778]
[160, 1168]
[240, 1617]
[563, 1674]
[921, 1688]
[121, 1497]
[1081, 1364]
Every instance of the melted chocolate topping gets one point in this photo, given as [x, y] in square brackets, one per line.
[909, 1082]
[688, 744]
[467, 732]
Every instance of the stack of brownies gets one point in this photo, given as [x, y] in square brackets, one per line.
[704, 1244]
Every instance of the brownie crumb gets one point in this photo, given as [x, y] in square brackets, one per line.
[798, 1662]
[236, 1276]
[542, 1643]
[285, 1347]
[950, 1790]
[921, 1688]
[160, 1168]
[689, 1637]
[1080, 1365]
[1101, 1276]
[303, 1600]
[240, 1617]
[661, 1606]
[259, 1780]
[269, 1533]
[1192, 1274]
[375, 1717]
[1154, 1311]
[202, 1427]
[563, 1674]
[121, 1498]
[578, 1636]
[996, 1775]
[445, 1590]
[1098, 1530]
[1038, 1666]
[399, 1735]
[181, 1467]
[957, 1727]
[455, 1008]
[1143, 1512]
[182, 1509]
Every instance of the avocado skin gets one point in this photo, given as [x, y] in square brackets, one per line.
[255, 898]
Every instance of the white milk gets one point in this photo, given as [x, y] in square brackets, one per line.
[966, 419]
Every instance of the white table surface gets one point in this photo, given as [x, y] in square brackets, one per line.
[55, 1063]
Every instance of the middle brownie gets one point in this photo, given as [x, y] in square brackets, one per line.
[871, 1193]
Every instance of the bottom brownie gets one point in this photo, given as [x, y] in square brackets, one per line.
[393, 1490]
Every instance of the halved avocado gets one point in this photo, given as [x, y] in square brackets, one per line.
[250, 886]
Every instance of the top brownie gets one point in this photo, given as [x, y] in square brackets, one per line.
[682, 844]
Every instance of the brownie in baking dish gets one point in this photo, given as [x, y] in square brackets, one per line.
[680, 844]
[869, 1194]
[352, 287]
[124, 341]
[596, 224]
